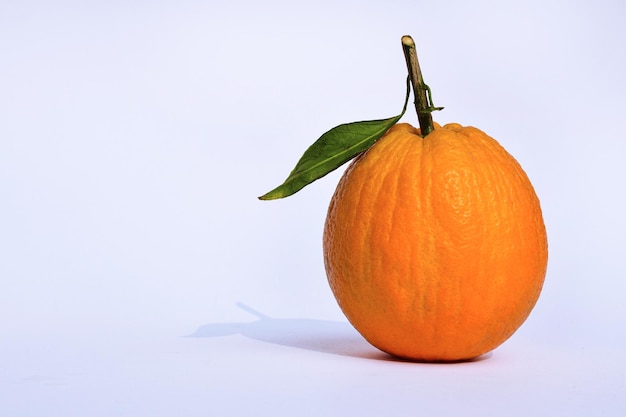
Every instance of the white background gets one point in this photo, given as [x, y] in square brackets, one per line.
[140, 276]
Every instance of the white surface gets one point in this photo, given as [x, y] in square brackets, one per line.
[139, 275]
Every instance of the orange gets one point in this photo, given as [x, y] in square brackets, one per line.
[435, 248]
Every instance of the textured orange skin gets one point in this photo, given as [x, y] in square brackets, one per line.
[435, 248]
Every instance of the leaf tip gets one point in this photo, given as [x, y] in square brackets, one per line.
[275, 194]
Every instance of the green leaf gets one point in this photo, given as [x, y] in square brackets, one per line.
[333, 149]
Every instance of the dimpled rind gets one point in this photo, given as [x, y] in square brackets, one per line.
[435, 248]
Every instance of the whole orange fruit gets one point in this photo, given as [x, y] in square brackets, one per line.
[435, 247]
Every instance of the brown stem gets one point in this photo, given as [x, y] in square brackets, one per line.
[422, 107]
